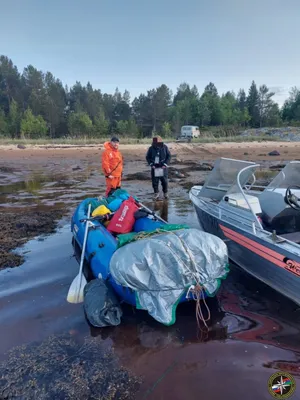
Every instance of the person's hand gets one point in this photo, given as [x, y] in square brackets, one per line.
[165, 166]
[110, 177]
[153, 167]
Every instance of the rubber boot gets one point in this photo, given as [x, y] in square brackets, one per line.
[156, 196]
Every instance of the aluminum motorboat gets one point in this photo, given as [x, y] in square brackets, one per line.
[259, 224]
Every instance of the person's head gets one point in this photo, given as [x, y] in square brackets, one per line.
[157, 141]
[114, 141]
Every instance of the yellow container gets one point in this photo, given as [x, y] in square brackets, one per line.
[101, 210]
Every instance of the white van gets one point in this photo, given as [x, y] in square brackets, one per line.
[189, 132]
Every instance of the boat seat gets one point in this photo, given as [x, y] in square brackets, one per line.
[292, 237]
[277, 215]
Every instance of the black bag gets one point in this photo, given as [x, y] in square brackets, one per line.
[101, 305]
[141, 214]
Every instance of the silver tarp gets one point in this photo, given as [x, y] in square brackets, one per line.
[162, 267]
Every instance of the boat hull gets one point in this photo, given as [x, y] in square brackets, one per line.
[267, 262]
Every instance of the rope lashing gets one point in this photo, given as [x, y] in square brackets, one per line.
[197, 292]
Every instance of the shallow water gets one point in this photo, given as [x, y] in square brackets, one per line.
[253, 330]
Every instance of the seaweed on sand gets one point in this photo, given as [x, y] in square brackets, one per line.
[59, 368]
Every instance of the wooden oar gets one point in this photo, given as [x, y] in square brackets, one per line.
[75, 294]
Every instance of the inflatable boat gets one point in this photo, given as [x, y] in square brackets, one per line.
[103, 247]
[102, 244]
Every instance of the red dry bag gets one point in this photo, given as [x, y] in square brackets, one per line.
[123, 220]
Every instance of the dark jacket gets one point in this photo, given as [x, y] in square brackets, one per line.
[160, 151]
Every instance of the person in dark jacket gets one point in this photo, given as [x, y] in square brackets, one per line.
[158, 157]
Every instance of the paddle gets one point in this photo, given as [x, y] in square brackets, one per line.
[150, 211]
[75, 294]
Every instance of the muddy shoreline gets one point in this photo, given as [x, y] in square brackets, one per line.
[36, 178]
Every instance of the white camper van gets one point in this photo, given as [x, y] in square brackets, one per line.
[189, 132]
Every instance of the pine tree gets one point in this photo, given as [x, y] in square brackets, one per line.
[265, 104]
[253, 104]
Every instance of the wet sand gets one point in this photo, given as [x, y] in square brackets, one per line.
[253, 331]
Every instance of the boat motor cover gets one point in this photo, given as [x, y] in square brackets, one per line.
[101, 305]
[161, 268]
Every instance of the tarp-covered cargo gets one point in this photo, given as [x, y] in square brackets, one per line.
[162, 267]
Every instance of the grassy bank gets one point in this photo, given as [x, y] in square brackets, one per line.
[127, 140]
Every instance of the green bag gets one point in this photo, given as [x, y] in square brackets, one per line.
[118, 194]
[94, 204]
[126, 238]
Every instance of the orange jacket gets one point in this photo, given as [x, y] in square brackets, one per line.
[112, 161]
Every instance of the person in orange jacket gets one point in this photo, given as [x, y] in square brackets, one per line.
[112, 165]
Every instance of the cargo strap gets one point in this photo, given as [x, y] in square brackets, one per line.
[196, 290]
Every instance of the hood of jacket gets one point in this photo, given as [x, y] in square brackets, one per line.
[108, 146]
[157, 141]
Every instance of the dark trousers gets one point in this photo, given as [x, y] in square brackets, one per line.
[162, 179]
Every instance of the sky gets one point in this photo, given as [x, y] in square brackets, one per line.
[140, 44]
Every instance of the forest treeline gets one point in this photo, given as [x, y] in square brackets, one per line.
[35, 104]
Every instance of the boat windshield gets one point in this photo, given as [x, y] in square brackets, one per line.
[288, 176]
[223, 177]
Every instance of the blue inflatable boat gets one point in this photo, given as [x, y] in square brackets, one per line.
[101, 245]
